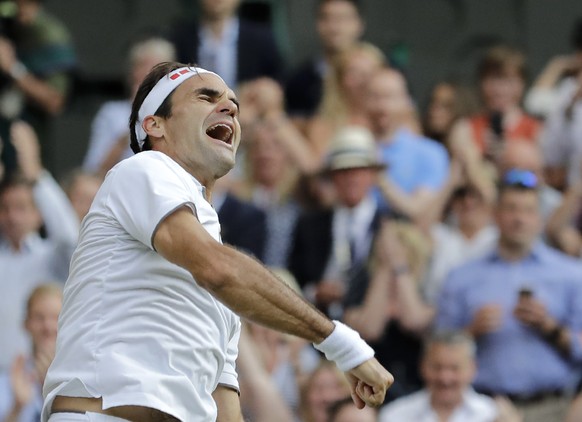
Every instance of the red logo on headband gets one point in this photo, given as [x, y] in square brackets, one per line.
[180, 73]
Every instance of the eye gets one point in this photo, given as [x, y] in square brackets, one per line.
[205, 98]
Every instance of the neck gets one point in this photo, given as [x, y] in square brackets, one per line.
[444, 410]
[216, 24]
[511, 251]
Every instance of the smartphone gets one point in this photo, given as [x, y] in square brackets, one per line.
[496, 124]
[525, 293]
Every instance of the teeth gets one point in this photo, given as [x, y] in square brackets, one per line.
[220, 131]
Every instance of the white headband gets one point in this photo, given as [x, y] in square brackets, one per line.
[165, 86]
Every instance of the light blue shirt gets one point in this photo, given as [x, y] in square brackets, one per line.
[515, 359]
[414, 162]
[220, 55]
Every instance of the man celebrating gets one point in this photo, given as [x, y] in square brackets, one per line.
[149, 329]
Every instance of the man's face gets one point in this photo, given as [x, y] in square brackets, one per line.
[41, 321]
[518, 217]
[352, 185]
[339, 25]
[447, 371]
[388, 101]
[217, 9]
[502, 92]
[18, 213]
[203, 131]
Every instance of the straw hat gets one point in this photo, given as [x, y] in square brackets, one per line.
[353, 147]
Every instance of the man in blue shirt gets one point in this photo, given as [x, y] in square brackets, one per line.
[523, 304]
[418, 167]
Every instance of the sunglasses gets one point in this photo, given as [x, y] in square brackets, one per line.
[521, 178]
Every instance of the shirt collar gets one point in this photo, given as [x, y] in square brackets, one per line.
[538, 252]
[229, 33]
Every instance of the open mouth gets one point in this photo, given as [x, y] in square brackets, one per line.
[221, 132]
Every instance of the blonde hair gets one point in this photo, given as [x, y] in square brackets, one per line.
[155, 46]
[333, 106]
[418, 247]
[42, 291]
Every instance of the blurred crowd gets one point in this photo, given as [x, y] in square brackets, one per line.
[449, 237]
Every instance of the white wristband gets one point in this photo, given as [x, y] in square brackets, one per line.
[345, 347]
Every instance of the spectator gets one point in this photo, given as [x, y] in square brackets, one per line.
[37, 56]
[346, 411]
[329, 245]
[448, 368]
[324, 386]
[26, 258]
[467, 234]
[526, 156]
[344, 95]
[563, 226]
[81, 188]
[21, 388]
[109, 141]
[557, 79]
[272, 175]
[386, 306]
[449, 101]
[417, 166]
[339, 25]
[236, 49]
[501, 78]
[522, 303]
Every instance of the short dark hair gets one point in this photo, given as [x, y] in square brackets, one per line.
[356, 3]
[501, 59]
[164, 110]
[15, 180]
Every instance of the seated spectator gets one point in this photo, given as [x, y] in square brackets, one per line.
[417, 167]
[556, 81]
[469, 235]
[502, 78]
[523, 155]
[523, 304]
[286, 360]
[339, 25]
[27, 201]
[344, 95]
[81, 188]
[331, 244]
[21, 387]
[37, 57]
[386, 306]
[448, 102]
[271, 180]
[237, 49]
[325, 386]
[448, 368]
[109, 140]
[346, 411]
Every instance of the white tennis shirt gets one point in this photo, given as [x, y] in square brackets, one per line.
[136, 329]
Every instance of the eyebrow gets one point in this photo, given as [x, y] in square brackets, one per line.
[213, 93]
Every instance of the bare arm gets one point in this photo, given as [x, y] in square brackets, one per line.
[237, 280]
[413, 205]
[563, 216]
[228, 405]
[264, 398]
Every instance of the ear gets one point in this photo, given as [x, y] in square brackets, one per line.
[154, 126]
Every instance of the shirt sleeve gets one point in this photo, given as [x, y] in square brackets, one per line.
[144, 191]
[229, 376]
[437, 167]
[575, 320]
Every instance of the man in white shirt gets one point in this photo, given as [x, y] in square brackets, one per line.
[448, 368]
[149, 327]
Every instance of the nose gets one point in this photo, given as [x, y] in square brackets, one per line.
[228, 107]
